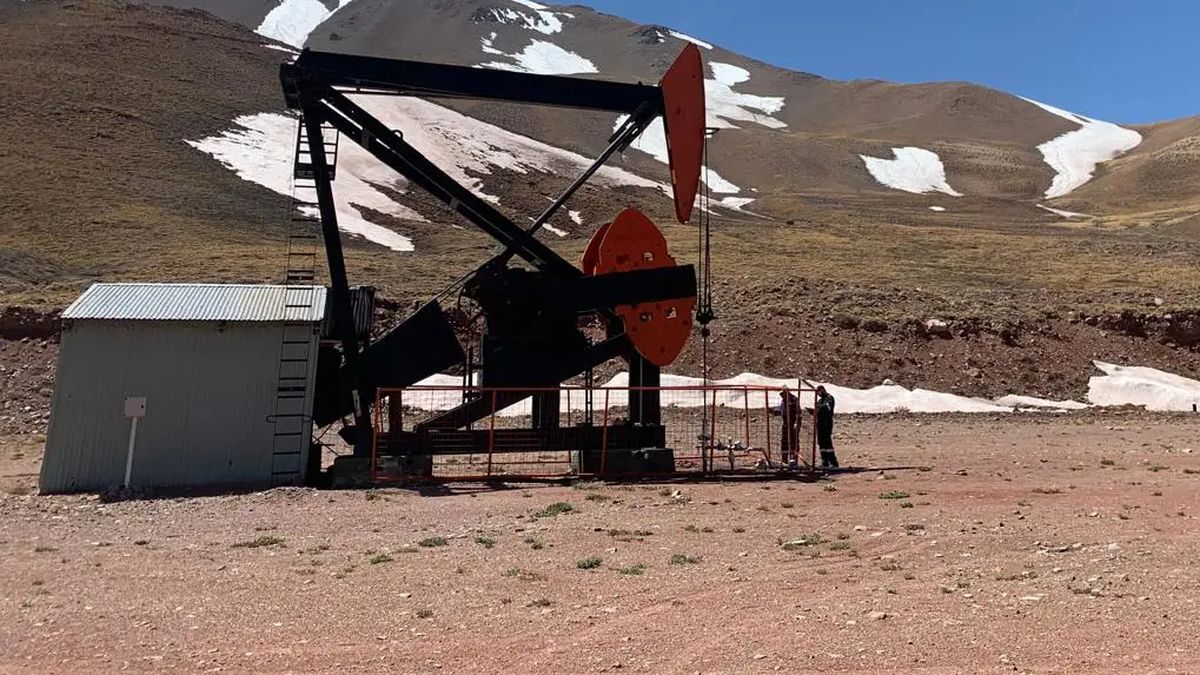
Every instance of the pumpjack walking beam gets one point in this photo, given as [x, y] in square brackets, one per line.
[317, 84]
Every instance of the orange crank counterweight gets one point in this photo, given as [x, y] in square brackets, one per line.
[658, 330]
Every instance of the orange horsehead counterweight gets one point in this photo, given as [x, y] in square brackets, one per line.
[659, 330]
[684, 116]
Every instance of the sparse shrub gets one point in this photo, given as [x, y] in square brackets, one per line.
[589, 563]
[636, 569]
[540, 602]
[555, 509]
[379, 559]
[523, 575]
[597, 497]
[432, 542]
[839, 546]
[485, 542]
[683, 559]
[893, 494]
[424, 613]
[260, 542]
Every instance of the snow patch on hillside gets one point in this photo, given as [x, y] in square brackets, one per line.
[259, 148]
[1060, 212]
[541, 58]
[1075, 155]
[653, 142]
[1141, 386]
[292, 21]
[487, 45]
[688, 38]
[912, 170]
[281, 48]
[468, 149]
[547, 22]
[725, 106]
[939, 209]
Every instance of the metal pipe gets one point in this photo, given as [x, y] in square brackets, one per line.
[625, 135]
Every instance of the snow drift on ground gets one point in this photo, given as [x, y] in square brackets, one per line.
[542, 20]
[259, 148]
[912, 170]
[725, 106]
[1120, 385]
[1140, 386]
[1016, 402]
[746, 391]
[1075, 155]
[291, 21]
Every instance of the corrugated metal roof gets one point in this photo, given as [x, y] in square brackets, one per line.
[199, 302]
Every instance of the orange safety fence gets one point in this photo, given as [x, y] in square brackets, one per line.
[573, 430]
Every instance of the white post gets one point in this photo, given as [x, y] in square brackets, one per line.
[135, 409]
[129, 454]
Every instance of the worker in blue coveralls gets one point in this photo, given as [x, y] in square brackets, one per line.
[825, 404]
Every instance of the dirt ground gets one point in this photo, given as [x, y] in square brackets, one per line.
[1026, 543]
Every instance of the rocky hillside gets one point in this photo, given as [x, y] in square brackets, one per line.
[149, 142]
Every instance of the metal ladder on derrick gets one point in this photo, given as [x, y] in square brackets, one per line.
[297, 354]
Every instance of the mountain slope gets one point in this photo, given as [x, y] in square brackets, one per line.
[787, 134]
[150, 143]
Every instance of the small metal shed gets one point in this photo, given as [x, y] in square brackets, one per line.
[210, 385]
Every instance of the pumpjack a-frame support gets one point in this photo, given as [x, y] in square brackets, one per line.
[532, 312]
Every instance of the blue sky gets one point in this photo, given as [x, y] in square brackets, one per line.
[1129, 61]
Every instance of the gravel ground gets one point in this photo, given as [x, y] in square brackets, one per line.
[1033, 543]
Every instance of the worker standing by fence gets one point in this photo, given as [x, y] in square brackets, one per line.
[789, 432]
[825, 406]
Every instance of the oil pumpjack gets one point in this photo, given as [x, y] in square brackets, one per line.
[532, 310]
